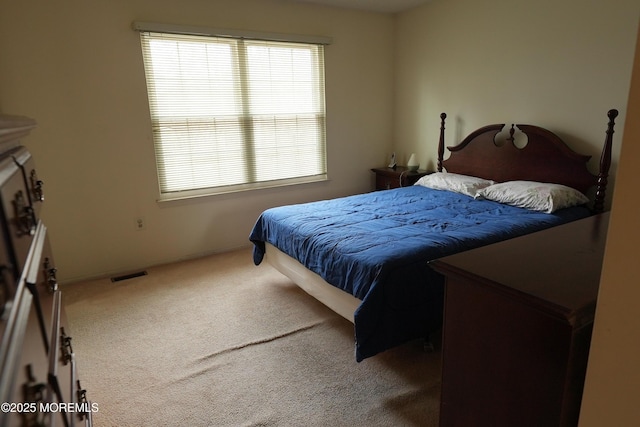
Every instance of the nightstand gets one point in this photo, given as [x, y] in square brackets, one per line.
[400, 176]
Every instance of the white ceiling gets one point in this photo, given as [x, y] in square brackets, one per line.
[389, 6]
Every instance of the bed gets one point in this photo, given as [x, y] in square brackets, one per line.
[366, 256]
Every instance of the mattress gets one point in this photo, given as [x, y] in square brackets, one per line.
[376, 247]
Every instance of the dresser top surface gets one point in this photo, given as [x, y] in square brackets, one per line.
[14, 127]
[559, 267]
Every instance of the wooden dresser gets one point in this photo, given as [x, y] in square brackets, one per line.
[517, 327]
[38, 382]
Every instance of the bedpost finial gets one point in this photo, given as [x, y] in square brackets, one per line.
[605, 163]
[441, 143]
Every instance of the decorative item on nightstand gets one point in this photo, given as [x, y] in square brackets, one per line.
[392, 164]
[413, 164]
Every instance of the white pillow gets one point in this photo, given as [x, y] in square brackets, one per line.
[537, 196]
[463, 184]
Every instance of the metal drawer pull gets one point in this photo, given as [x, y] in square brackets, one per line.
[5, 294]
[36, 187]
[25, 216]
[50, 273]
[33, 393]
[82, 400]
[33, 390]
[65, 347]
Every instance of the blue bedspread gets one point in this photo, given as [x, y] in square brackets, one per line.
[376, 247]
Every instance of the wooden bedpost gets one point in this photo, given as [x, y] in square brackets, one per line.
[441, 142]
[605, 164]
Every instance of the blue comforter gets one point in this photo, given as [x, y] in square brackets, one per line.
[376, 247]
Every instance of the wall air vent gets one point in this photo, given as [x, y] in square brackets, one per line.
[128, 276]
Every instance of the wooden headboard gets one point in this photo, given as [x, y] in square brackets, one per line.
[544, 158]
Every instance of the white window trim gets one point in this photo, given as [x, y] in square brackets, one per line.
[236, 34]
[218, 32]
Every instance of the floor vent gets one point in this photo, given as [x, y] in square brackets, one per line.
[128, 276]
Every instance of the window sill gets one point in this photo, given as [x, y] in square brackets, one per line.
[231, 189]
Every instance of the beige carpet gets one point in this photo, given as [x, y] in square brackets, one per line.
[218, 341]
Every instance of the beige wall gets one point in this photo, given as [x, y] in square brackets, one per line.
[76, 67]
[558, 64]
[613, 376]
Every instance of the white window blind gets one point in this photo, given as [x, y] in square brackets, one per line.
[232, 113]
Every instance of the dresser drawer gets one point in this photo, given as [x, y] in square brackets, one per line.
[7, 286]
[34, 186]
[18, 215]
[24, 380]
[40, 279]
[385, 182]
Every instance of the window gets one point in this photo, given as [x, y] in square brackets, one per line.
[233, 113]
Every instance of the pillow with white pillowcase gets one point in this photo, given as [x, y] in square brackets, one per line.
[537, 196]
[457, 183]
